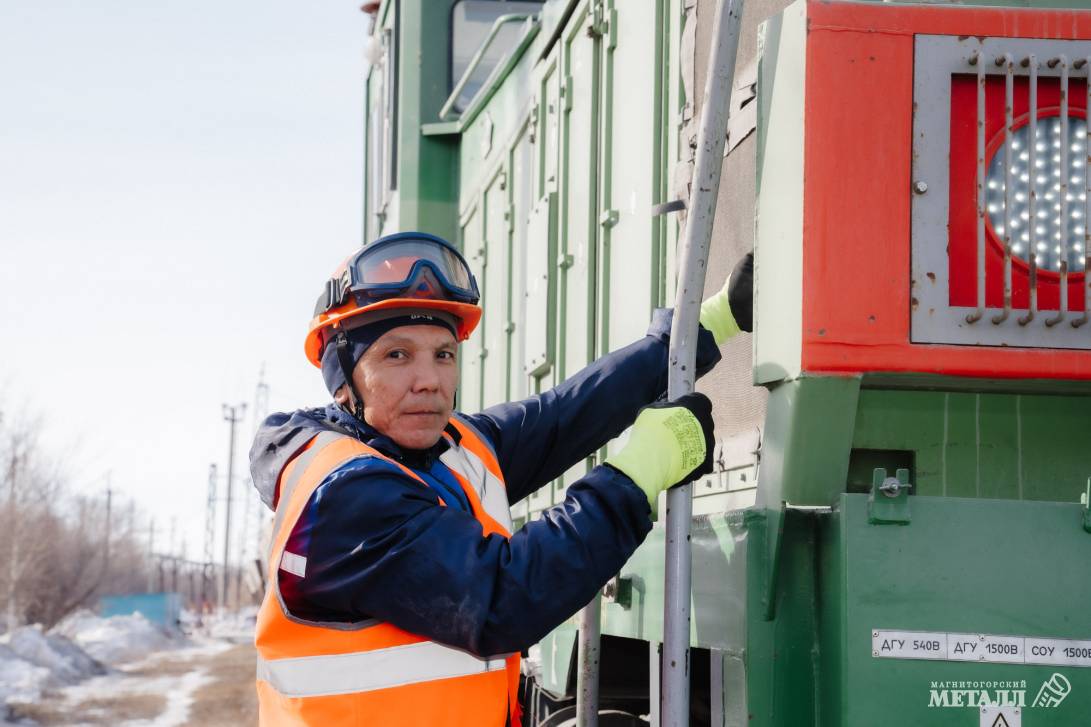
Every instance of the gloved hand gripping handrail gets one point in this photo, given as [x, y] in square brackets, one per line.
[711, 136]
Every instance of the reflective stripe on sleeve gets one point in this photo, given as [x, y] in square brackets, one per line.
[318, 676]
[294, 564]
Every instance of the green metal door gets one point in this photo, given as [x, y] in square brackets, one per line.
[496, 292]
[473, 247]
[577, 262]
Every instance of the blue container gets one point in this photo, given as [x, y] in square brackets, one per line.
[160, 608]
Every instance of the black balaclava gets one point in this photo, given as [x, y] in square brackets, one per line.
[345, 347]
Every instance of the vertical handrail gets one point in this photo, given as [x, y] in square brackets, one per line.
[711, 136]
[588, 650]
[475, 61]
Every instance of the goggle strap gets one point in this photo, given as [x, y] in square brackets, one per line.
[344, 357]
[335, 293]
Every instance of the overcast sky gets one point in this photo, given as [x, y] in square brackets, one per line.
[177, 179]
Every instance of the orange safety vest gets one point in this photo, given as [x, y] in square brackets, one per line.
[373, 673]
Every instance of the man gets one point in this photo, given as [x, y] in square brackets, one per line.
[398, 594]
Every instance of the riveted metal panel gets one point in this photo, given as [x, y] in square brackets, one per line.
[778, 273]
[629, 174]
[549, 126]
[929, 577]
[719, 594]
[521, 197]
[540, 254]
[992, 445]
[577, 260]
[578, 196]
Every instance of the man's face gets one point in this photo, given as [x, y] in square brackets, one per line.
[407, 379]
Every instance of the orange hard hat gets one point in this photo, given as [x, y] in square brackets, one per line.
[407, 270]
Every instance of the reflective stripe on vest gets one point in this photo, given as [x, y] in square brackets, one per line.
[338, 673]
[316, 676]
[489, 488]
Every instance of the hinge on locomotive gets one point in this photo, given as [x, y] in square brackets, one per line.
[888, 501]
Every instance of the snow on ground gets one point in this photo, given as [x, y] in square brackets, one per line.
[86, 662]
[31, 661]
[140, 677]
[71, 657]
[67, 662]
[237, 627]
[19, 678]
[116, 639]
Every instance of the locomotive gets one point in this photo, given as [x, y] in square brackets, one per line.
[898, 531]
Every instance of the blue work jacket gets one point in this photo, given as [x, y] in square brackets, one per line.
[380, 546]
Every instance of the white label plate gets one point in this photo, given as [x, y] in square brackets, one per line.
[909, 645]
[1058, 652]
[984, 648]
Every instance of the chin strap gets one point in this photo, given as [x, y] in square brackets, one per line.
[344, 357]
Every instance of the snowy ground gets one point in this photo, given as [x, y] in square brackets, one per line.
[141, 676]
[96, 700]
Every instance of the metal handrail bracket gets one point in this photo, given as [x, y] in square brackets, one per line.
[488, 87]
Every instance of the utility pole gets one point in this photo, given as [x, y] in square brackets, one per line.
[151, 553]
[210, 537]
[183, 556]
[261, 408]
[233, 415]
[106, 549]
[13, 526]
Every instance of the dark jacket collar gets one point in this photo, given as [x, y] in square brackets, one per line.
[283, 435]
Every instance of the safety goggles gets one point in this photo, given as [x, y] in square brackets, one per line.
[401, 267]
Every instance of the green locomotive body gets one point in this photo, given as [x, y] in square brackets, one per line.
[895, 533]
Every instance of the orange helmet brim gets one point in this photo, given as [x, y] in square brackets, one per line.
[468, 316]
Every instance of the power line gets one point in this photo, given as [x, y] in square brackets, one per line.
[106, 549]
[207, 584]
[261, 408]
[233, 415]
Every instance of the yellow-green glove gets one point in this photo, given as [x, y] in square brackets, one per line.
[670, 444]
[732, 309]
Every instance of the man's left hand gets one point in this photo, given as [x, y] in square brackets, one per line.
[732, 308]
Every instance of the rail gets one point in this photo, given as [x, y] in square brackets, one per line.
[448, 105]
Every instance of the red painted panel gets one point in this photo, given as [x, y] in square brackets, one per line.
[857, 146]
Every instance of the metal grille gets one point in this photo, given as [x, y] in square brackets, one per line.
[1031, 202]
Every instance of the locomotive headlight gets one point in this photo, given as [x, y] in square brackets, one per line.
[1053, 223]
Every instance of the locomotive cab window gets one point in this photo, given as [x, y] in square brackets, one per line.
[472, 23]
